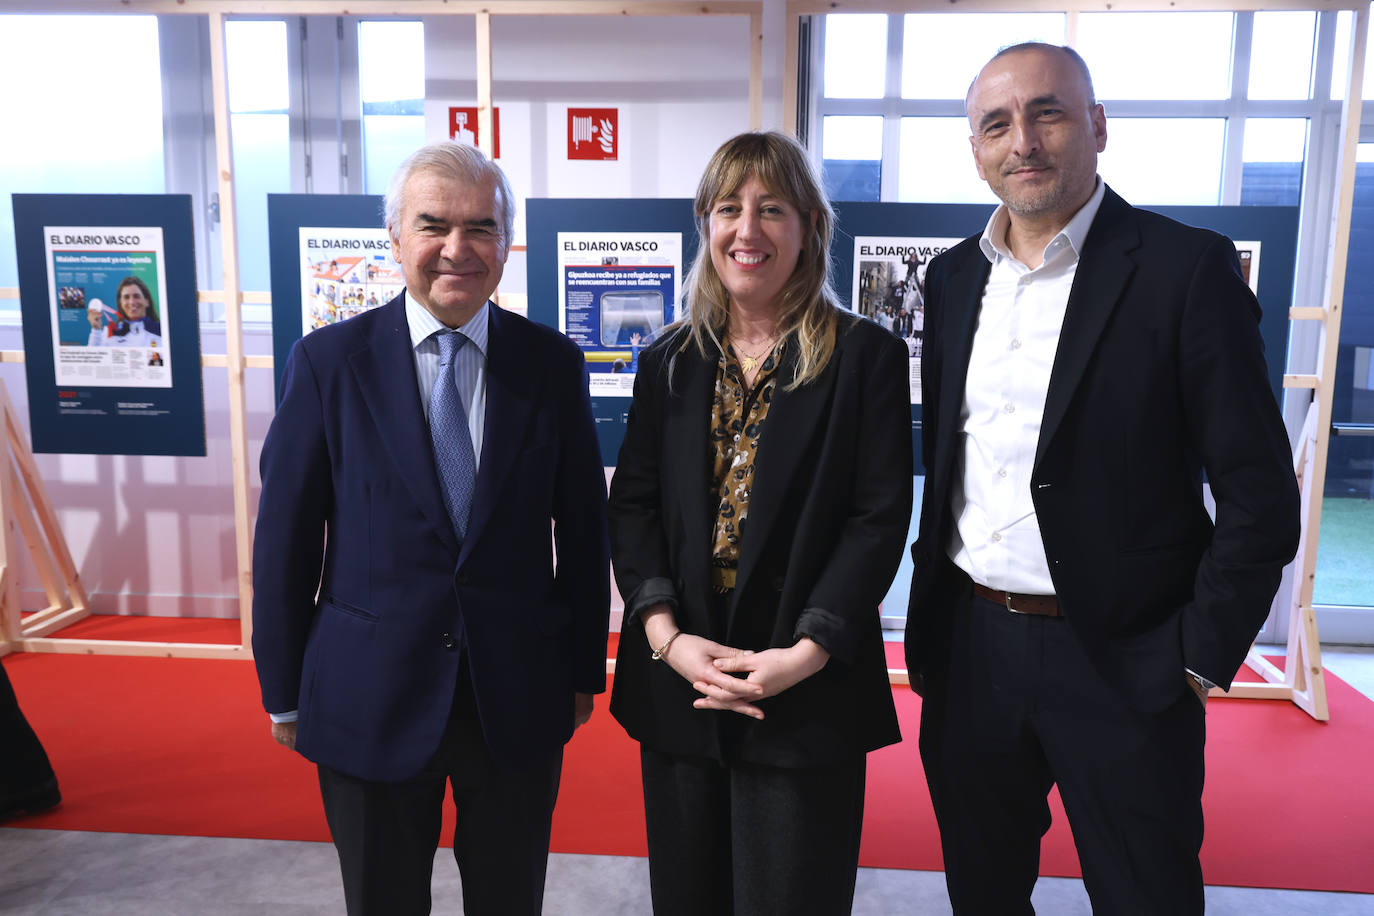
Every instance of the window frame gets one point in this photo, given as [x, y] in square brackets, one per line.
[1321, 168]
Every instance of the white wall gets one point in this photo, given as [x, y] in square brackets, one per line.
[681, 85]
[152, 535]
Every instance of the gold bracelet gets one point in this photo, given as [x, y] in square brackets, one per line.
[658, 653]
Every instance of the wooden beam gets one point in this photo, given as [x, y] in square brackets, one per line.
[756, 70]
[233, 325]
[408, 8]
[790, 62]
[46, 622]
[250, 297]
[1307, 313]
[56, 543]
[1337, 258]
[821, 7]
[22, 513]
[54, 646]
[486, 130]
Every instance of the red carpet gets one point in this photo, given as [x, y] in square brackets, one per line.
[181, 746]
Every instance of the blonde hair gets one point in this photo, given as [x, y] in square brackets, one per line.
[809, 307]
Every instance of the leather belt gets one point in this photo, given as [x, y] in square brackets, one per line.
[1017, 603]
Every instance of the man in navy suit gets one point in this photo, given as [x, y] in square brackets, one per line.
[411, 628]
[1084, 363]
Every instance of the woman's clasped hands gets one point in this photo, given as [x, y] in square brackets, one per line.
[727, 678]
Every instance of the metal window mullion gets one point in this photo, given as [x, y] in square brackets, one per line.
[816, 102]
[350, 108]
[892, 122]
[1233, 150]
[188, 134]
[297, 106]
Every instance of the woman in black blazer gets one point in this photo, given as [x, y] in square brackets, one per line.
[758, 513]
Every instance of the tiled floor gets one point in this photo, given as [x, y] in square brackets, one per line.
[65, 873]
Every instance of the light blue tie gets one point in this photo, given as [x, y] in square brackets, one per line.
[448, 431]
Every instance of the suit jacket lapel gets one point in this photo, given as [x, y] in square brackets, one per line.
[964, 298]
[792, 418]
[510, 384]
[385, 370]
[687, 455]
[1104, 269]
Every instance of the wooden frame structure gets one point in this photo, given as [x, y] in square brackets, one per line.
[1301, 679]
[53, 560]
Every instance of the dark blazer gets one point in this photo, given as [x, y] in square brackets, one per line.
[1159, 376]
[372, 663]
[827, 516]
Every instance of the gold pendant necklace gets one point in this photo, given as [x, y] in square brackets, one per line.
[749, 363]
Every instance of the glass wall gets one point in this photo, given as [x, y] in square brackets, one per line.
[1345, 552]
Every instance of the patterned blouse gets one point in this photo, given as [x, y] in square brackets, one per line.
[737, 417]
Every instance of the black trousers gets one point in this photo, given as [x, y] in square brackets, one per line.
[751, 840]
[1022, 707]
[24, 768]
[386, 833]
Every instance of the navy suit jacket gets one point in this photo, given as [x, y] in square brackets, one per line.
[1158, 376]
[364, 600]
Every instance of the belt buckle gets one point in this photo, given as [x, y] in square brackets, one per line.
[1012, 609]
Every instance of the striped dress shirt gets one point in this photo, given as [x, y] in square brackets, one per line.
[472, 364]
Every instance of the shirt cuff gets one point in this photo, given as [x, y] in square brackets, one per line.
[650, 592]
[1206, 684]
[281, 718]
[830, 631]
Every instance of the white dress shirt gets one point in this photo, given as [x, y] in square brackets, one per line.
[997, 538]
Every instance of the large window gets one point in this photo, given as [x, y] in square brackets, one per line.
[391, 82]
[1223, 120]
[1345, 558]
[259, 113]
[1240, 110]
[82, 107]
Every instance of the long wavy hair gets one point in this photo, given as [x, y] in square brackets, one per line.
[809, 308]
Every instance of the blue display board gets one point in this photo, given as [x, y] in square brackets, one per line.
[107, 287]
[298, 231]
[1275, 228]
[544, 220]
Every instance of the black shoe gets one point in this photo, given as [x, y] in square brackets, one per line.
[43, 797]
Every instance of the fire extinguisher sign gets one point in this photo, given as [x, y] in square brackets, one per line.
[593, 133]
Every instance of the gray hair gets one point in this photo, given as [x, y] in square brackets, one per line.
[1074, 57]
[459, 161]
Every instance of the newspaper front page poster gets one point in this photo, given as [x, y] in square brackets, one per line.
[345, 272]
[616, 291]
[889, 288]
[107, 303]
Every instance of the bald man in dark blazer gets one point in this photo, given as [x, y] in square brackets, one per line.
[1085, 363]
